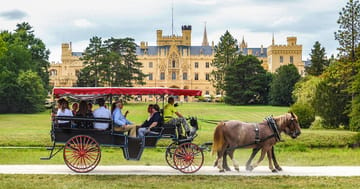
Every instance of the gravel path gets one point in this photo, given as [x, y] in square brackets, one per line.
[165, 170]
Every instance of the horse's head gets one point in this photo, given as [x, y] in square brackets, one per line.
[290, 125]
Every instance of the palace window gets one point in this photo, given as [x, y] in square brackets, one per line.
[207, 93]
[207, 65]
[173, 64]
[207, 76]
[150, 76]
[173, 76]
[53, 72]
[162, 76]
[281, 59]
[185, 76]
[150, 64]
[196, 76]
[196, 64]
[291, 60]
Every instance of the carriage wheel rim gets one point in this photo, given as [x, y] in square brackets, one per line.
[169, 153]
[188, 158]
[82, 153]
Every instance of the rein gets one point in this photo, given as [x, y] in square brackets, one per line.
[272, 124]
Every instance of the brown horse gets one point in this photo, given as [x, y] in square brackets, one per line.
[236, 134]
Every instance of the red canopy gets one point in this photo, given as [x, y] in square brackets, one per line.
[103, 91]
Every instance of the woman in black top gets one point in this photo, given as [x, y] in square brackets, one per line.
[154, 120]
[84, 112]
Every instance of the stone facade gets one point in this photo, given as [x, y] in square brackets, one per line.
[175, 63]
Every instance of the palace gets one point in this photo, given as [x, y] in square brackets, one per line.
[175, 63]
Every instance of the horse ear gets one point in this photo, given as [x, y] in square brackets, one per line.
[292, 115]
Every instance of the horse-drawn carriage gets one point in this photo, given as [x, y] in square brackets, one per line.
[81, 147]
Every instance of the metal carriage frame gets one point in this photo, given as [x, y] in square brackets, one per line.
[82, 147]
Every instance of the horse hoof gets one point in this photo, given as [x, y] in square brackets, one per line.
[227, 169]
[222, 171]
[278, 168]
[274, 171]
[249, 168]
[237, 169]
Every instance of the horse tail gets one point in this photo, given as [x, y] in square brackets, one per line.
[218, 138]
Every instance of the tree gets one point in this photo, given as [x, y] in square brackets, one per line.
[92, 57]
[125, 67]
[24, 76]
[246, 81]
[318, 60]
[332, 96]
[283, 84]
[303, 92]
[111, 63]
[348, 34]
[37, 49]
[32, 92]
[225, 54]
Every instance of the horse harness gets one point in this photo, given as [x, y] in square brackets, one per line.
[273, 126]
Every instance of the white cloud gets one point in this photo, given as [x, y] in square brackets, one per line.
[83, 23]
[56, 22]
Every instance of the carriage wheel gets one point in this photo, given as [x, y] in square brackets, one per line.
[169, 155]
[82, 153]
[188, 158]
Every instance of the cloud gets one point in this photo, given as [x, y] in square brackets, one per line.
[83, 23]
[13, 14]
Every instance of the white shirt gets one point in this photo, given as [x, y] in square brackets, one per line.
[101, 112]
[66, 112]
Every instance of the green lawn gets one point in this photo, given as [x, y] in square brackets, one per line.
[184, 182]
[331, 145]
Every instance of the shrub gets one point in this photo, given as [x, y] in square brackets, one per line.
[305, 113]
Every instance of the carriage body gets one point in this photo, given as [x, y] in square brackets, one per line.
[81, 147]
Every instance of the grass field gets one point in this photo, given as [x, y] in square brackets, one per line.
[18, 130]
[312, 148]
[187, 181]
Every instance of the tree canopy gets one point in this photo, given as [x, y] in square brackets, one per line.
[283, 84]
[23, 70]
[318, 60]
[246, 81]
[348, 34]
[112, 62]
[225, 54]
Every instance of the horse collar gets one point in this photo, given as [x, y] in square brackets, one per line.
[272, 124]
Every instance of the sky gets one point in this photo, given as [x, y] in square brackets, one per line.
[76, 21]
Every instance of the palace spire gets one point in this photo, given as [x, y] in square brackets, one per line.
[205, 39]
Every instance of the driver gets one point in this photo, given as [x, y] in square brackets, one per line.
[169, 116]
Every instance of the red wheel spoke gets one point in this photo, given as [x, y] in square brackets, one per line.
[82, 153]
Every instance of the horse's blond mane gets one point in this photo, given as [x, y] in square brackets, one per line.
[281, 120]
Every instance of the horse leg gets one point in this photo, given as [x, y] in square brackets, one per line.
[225, 164]
[253, 154]
[263, 151]
[235, 163]
[271, 167]
[277, 166]
[220, 160]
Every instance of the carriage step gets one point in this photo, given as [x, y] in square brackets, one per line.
[208, 144]
[45, 158]
[49, 148]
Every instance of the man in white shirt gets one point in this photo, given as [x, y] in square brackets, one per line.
[101, 112]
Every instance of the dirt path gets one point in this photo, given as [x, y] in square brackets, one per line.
[165, 170]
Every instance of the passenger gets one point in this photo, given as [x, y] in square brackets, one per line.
[120, 122]
[169, 116]
[90, 106]
[153, 120]
[101, 112]
[84, 113]
[74, 108]
[64, 111]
